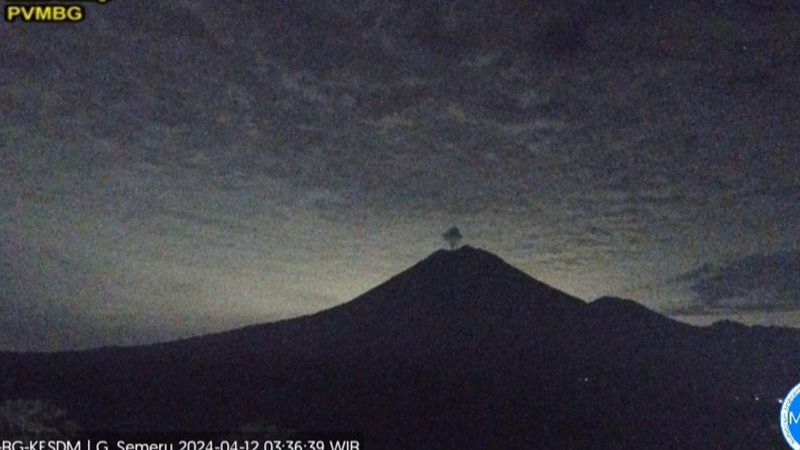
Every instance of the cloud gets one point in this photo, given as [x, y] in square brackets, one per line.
[288, 151]
[759, 282]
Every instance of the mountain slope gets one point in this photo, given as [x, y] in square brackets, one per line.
[461, 349]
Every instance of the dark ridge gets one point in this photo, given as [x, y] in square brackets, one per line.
[623, 306]
[728, 325]
[626, 310]
[628, 319]
[461, 349]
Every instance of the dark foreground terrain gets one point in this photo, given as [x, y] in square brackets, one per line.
[459, 351]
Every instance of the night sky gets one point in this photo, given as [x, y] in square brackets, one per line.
[174, 168]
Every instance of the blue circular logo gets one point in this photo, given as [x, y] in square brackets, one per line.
[790, 418]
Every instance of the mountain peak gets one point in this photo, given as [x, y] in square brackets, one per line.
[465, 276]
[463, 254]
[465, 261]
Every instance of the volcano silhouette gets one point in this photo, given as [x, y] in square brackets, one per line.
[461, 350]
